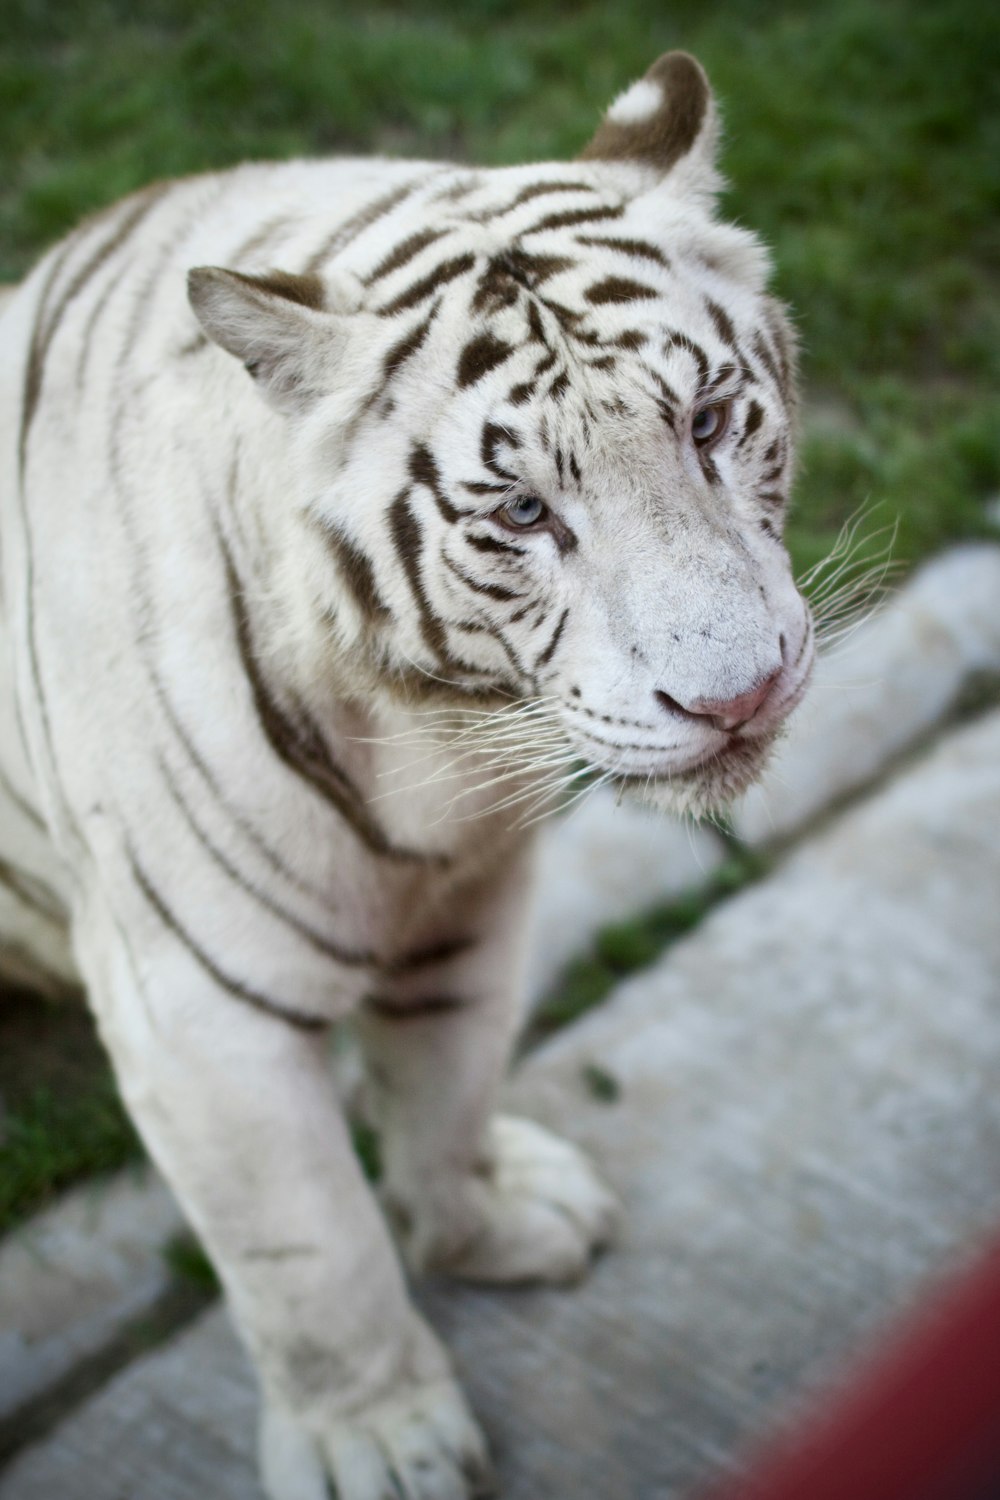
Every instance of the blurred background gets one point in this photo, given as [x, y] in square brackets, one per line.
[861, 140]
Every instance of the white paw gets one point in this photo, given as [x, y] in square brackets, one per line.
[420, 1444]
[538, 1211]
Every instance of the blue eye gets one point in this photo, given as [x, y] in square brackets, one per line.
[526, 510]
[709, 423]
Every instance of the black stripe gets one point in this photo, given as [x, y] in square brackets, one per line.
[491, 544]
[406, 347]
[423, 958]
[723, 324]
[631, 338]
[87, 338]
[667, 392]
[25, 808]
[518, 268]
[194, 345]
[300, 745]
[549, 651]
[619, 289]
[481, 355]
[492, 437]
[536, 328]
[640, 248]
[388, 1008]
[404, 252]
[42, 341]
[423, 470]
[544, 365]
[766, 358]
[755, 415]
[447, 271]
[491, 590]
[31, 370]
[29, 890]
[246, 828]
[256, 242]
[350, 957]
[725, 372]
[408, 538]
[540, 190]
[359, 222]
[485, 487]
[576, 216]
[355, 570]
[681, 341]
[234, 987]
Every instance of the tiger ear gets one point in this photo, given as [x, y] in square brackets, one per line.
[665, 124]
[281, 326]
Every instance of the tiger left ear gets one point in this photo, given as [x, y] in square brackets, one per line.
[665, 124]
[279, 325]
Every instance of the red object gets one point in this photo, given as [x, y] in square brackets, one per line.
[920, 1421]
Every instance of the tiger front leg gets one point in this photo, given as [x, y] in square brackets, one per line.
[237, 1109]
[483, 1196]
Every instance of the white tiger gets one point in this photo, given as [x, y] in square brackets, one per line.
[501, 502]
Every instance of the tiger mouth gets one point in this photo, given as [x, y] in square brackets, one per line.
[706, 785]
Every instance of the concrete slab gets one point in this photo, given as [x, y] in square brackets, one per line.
[604, 861]
[74, 1275]
[883, 690]
[806, 1128]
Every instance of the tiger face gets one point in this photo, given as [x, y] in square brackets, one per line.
[564, 398]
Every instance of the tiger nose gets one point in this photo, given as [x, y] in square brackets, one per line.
[724, 713]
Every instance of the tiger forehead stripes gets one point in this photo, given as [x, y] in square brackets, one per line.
[353, 515]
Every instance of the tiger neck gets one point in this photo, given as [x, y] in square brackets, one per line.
[397, 748]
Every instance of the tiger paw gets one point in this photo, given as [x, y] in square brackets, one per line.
[421, 1442]
[537, 1212]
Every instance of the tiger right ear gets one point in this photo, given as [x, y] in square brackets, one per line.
[279, 325]
[666, 124]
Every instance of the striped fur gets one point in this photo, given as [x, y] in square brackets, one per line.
[351, 513]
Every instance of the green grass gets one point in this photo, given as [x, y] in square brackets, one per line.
[861, 140]
[61, 1118]
[51, 1141]
[623, 948]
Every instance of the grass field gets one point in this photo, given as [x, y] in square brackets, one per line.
[863, 141]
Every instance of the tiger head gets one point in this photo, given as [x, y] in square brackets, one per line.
[543, 433]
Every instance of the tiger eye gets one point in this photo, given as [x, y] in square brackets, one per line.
[527, 510]
[709, 423]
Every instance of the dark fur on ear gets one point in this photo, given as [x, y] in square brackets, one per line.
[273, 323]
[660, 119]
[305, 291]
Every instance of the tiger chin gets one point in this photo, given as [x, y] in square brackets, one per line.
[354, 513]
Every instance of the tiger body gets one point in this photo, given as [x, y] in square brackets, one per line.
[283, 658]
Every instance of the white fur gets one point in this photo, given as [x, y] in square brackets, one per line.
[637, 103]
[132, 744]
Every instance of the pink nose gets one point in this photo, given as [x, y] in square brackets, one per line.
[725, 713]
